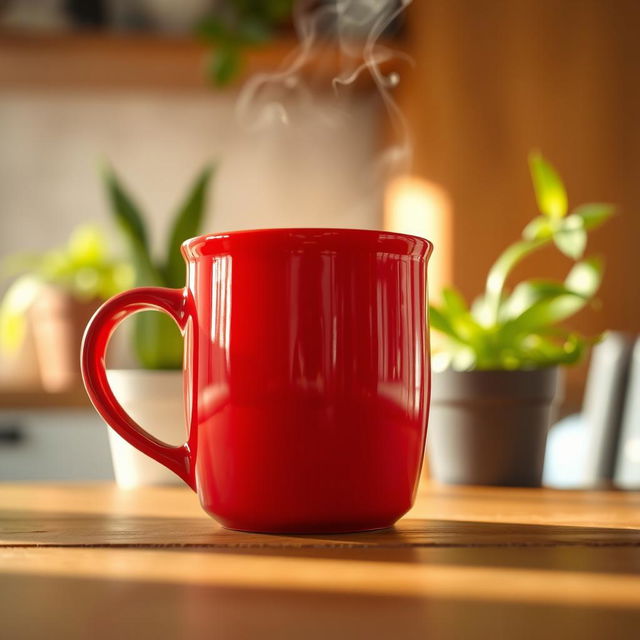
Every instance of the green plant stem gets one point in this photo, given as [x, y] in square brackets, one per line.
[501, 269]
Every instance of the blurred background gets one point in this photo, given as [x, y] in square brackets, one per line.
[159, 89]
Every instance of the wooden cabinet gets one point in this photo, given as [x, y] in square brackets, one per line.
[495, 79]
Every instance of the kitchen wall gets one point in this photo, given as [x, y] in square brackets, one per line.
[311, 173]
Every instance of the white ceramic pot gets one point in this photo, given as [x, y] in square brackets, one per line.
[154, 399]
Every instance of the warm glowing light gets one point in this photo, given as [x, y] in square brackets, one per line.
[419, 207]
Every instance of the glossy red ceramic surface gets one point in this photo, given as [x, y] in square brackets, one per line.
[306, 374]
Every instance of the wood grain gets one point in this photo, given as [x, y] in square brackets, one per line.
[103, 516]
[494, 79]
[147, 62]
[106, 593]
[35, 398]
[79, 561]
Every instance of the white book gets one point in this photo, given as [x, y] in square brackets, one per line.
[627, 475]
[603, 405]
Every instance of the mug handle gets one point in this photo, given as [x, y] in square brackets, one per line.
[175, 303]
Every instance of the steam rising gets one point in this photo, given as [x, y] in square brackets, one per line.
[356, 27]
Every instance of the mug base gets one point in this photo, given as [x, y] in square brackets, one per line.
[311, 530]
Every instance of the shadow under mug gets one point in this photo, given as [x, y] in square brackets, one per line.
[306, 376]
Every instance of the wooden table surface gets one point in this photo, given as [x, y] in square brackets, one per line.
[467, 562]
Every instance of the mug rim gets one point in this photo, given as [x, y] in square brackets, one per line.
[380, 241]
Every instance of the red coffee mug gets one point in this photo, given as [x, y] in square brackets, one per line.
[306, 376]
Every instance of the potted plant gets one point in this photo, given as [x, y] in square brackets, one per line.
[235, 28]
[58, 291]
[153, 394]
[495, 377]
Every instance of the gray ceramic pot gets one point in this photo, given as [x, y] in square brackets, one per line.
[490, 427]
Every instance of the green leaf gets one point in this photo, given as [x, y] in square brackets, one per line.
[127, 213]
[538, 305]
[56, 266]
[157, 341]
[463, 359]
[542, 314]
[15, 304]
[224, 65]
[585, 277]
[526, 294]
[594, 214]
[114, 278]
[481, 311]
[539, 228]
[550, 192]
[464, 333]
[454, 302]
[463, 326]
[570, 236]
[187, 225]
[439, 322]
[498, 273]
[214, 30]
[441, 360]
[572, 242]
[277, 10]
[130, 221]
[540, 351]
[87, 245]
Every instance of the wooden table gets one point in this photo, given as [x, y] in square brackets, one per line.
[95, 562]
